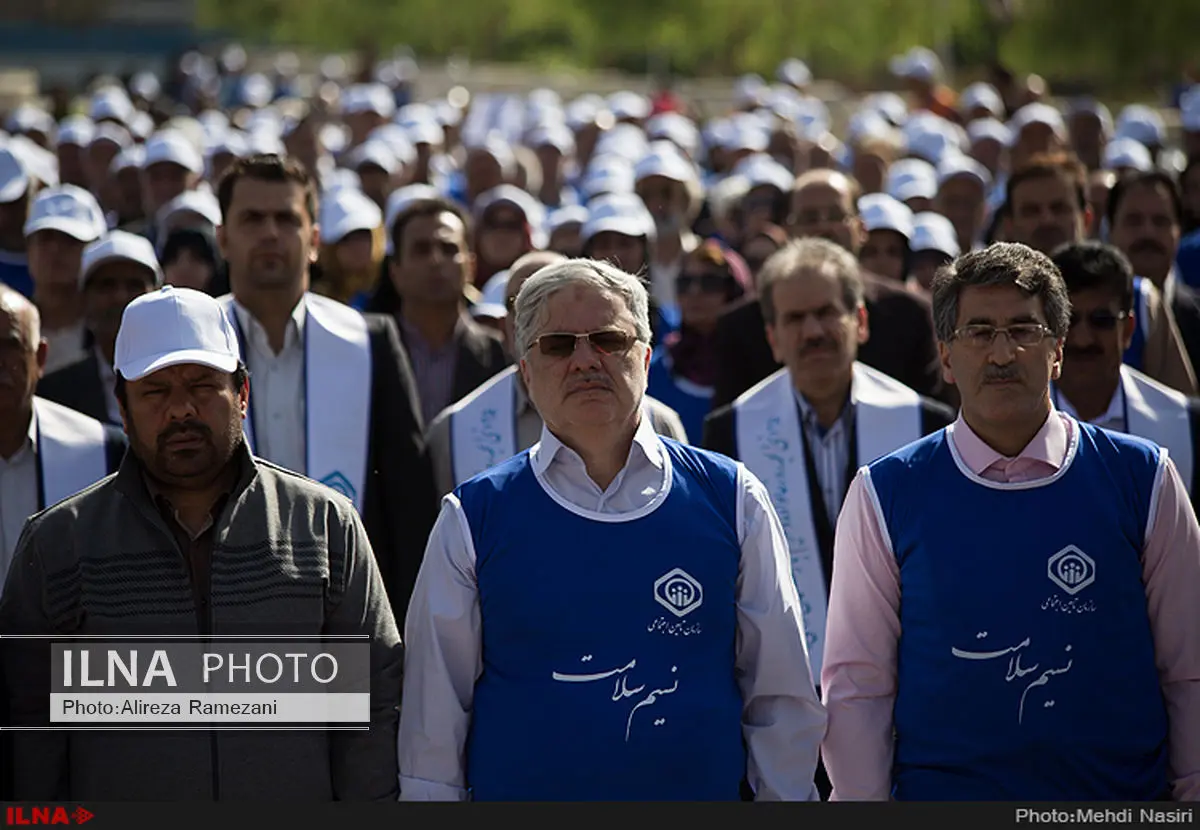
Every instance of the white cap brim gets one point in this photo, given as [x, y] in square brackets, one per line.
[74, 228]
[147, 366]
[14, 189]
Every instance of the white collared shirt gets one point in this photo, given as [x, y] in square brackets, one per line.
[783, 720]
[108, 379]
[830, 452]
[1113, 418]
[277, 399]
[18, 495]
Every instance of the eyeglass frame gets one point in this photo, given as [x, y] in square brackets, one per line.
[1044, 331]
[631, 339]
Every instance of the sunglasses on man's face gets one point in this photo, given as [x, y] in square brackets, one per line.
[1100, 320]
[605, 341]
[712, 282]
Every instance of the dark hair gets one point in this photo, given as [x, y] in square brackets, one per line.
[1004, 263]
[1144, 178]
[420, 208]
[1087, 265]
[267, 167]
[1065, 166]
[238, 375]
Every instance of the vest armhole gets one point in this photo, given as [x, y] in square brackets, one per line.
[1160, 474]
[739, 516]
[464, 526]
[884, 532]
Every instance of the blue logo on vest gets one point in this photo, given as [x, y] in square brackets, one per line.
[1071, 569]
[337, 481]
[678, 592]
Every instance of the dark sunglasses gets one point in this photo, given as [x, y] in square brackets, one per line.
[1100, 320]
[713, 282]
[605, 341]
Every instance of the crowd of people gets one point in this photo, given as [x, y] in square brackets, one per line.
[550, 396]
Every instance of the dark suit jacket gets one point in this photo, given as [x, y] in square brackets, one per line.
[901, 344]
[79, 387]
[480, 356]
[1185, 305]
[720, 435]
[400, 501]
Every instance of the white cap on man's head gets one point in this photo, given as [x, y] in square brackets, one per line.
[200, 202]
[621, 213]
[981, 96]
[119, 245]
[75, 131]
[989, 129]
[173, 147]
[374, 152]
[69, 209]
[666, 161]
[111, 102]
[1038, 113]
[918, 63]
[795, 72]
[401, 198]
[1141, 123]
[881, 212]
[173, 326]
[933, 232]
[957, 164]
[1126, 152]
[345, 211]
[910, 179]
[677, 128]
[14, 179]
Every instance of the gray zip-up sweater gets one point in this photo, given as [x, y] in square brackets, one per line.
[289, 557]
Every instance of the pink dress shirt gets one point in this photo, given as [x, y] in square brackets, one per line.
[859, 676]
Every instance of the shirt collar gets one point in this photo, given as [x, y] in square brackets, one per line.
[412, 335]
[809, 415]
[293, 335]
[1049, 445]
[1115, 411]
[645, 442]
[1169, 284]
[106, 370]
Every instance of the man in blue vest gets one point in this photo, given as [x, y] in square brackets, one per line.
[609, 615]
[1014, 613]
[1095, 385]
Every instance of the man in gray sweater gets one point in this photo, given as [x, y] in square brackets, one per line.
[194, 536]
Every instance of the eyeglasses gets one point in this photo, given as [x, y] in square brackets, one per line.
[605, 341]
[1023, 335]
[711, 282]
[1100, 320]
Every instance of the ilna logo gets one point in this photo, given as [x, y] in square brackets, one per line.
[46, 815]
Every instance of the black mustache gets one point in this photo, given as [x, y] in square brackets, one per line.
[823, 344]
[995, 373]
[183, 428]
[1147, 245]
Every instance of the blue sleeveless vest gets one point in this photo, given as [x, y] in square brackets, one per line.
[1135, 354]
[1026, 664]
[608, 646]
[690, 401]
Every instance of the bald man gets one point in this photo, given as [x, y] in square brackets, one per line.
[496, 421]
[47, 452]
[825, 204]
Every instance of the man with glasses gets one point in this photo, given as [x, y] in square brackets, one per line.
[609, 615]
[1095, 385]
[806, 429]
[1014, 607]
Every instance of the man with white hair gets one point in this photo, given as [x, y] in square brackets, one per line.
[623, 621]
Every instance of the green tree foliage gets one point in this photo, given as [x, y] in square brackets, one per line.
[1106, 41]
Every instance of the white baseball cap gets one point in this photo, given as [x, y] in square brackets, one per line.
[1141, 123]
[375, 152]
[919, 63]
[566, 215]
[910, 179]
[200, 202]
[29, 118]
[492, 297]
[556, 135]
[111, 102]
[677, 128]
[606, 175]
[989, 129]
[14, 179]
[129, 158]
[119, 245]
[173, 326]
[957, 164]
[1038, 113]
[69, 209]
[173, 147]
[345, 211]
[625, 140]
[933, 232]
[76, 131]
[376, 98]
[1127, 152]
[621, 213]
[881, 212]
[795, 72]
[628, 104]
[397, 140]
[761, 169]
[981, 96]
[665, 160]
